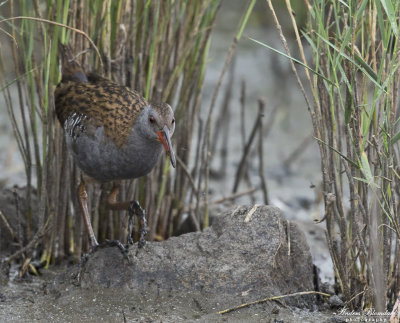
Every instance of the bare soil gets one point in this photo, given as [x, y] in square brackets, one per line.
[243, 257]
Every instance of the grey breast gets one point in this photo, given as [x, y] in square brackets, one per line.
[98, 156]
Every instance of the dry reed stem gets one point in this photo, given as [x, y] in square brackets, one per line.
[9, 35]
[273, 298]
[223, 120]
[31, 244]
[187, 173]
[285, 45]
[243, 112]
[59, 25]
[246, 151]
[261, 107]
[300, 46]
[206, 154]
[7, 225]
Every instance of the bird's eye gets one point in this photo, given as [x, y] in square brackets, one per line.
[173, 121]
[152, 120]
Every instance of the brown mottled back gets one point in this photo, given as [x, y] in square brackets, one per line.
[103, 102]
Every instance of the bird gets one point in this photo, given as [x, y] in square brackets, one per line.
[112, 132]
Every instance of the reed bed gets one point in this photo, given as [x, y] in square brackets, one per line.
[156, 47]
[350, 84]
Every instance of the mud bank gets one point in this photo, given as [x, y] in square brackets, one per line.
[248, 254]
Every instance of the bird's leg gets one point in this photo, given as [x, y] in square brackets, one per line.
[133, 208]
[114, 205]
[82, 195]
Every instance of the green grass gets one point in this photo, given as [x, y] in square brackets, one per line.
[354, 83]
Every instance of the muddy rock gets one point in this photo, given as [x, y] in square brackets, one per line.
[248, 253]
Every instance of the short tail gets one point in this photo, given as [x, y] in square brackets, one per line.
[71, 69]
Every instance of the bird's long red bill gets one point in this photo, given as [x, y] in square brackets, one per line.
[164, 137]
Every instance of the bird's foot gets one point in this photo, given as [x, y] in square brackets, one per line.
[136, 209]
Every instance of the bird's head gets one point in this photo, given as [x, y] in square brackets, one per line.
[158, 124]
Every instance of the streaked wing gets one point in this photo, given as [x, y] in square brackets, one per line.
[101, 101]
